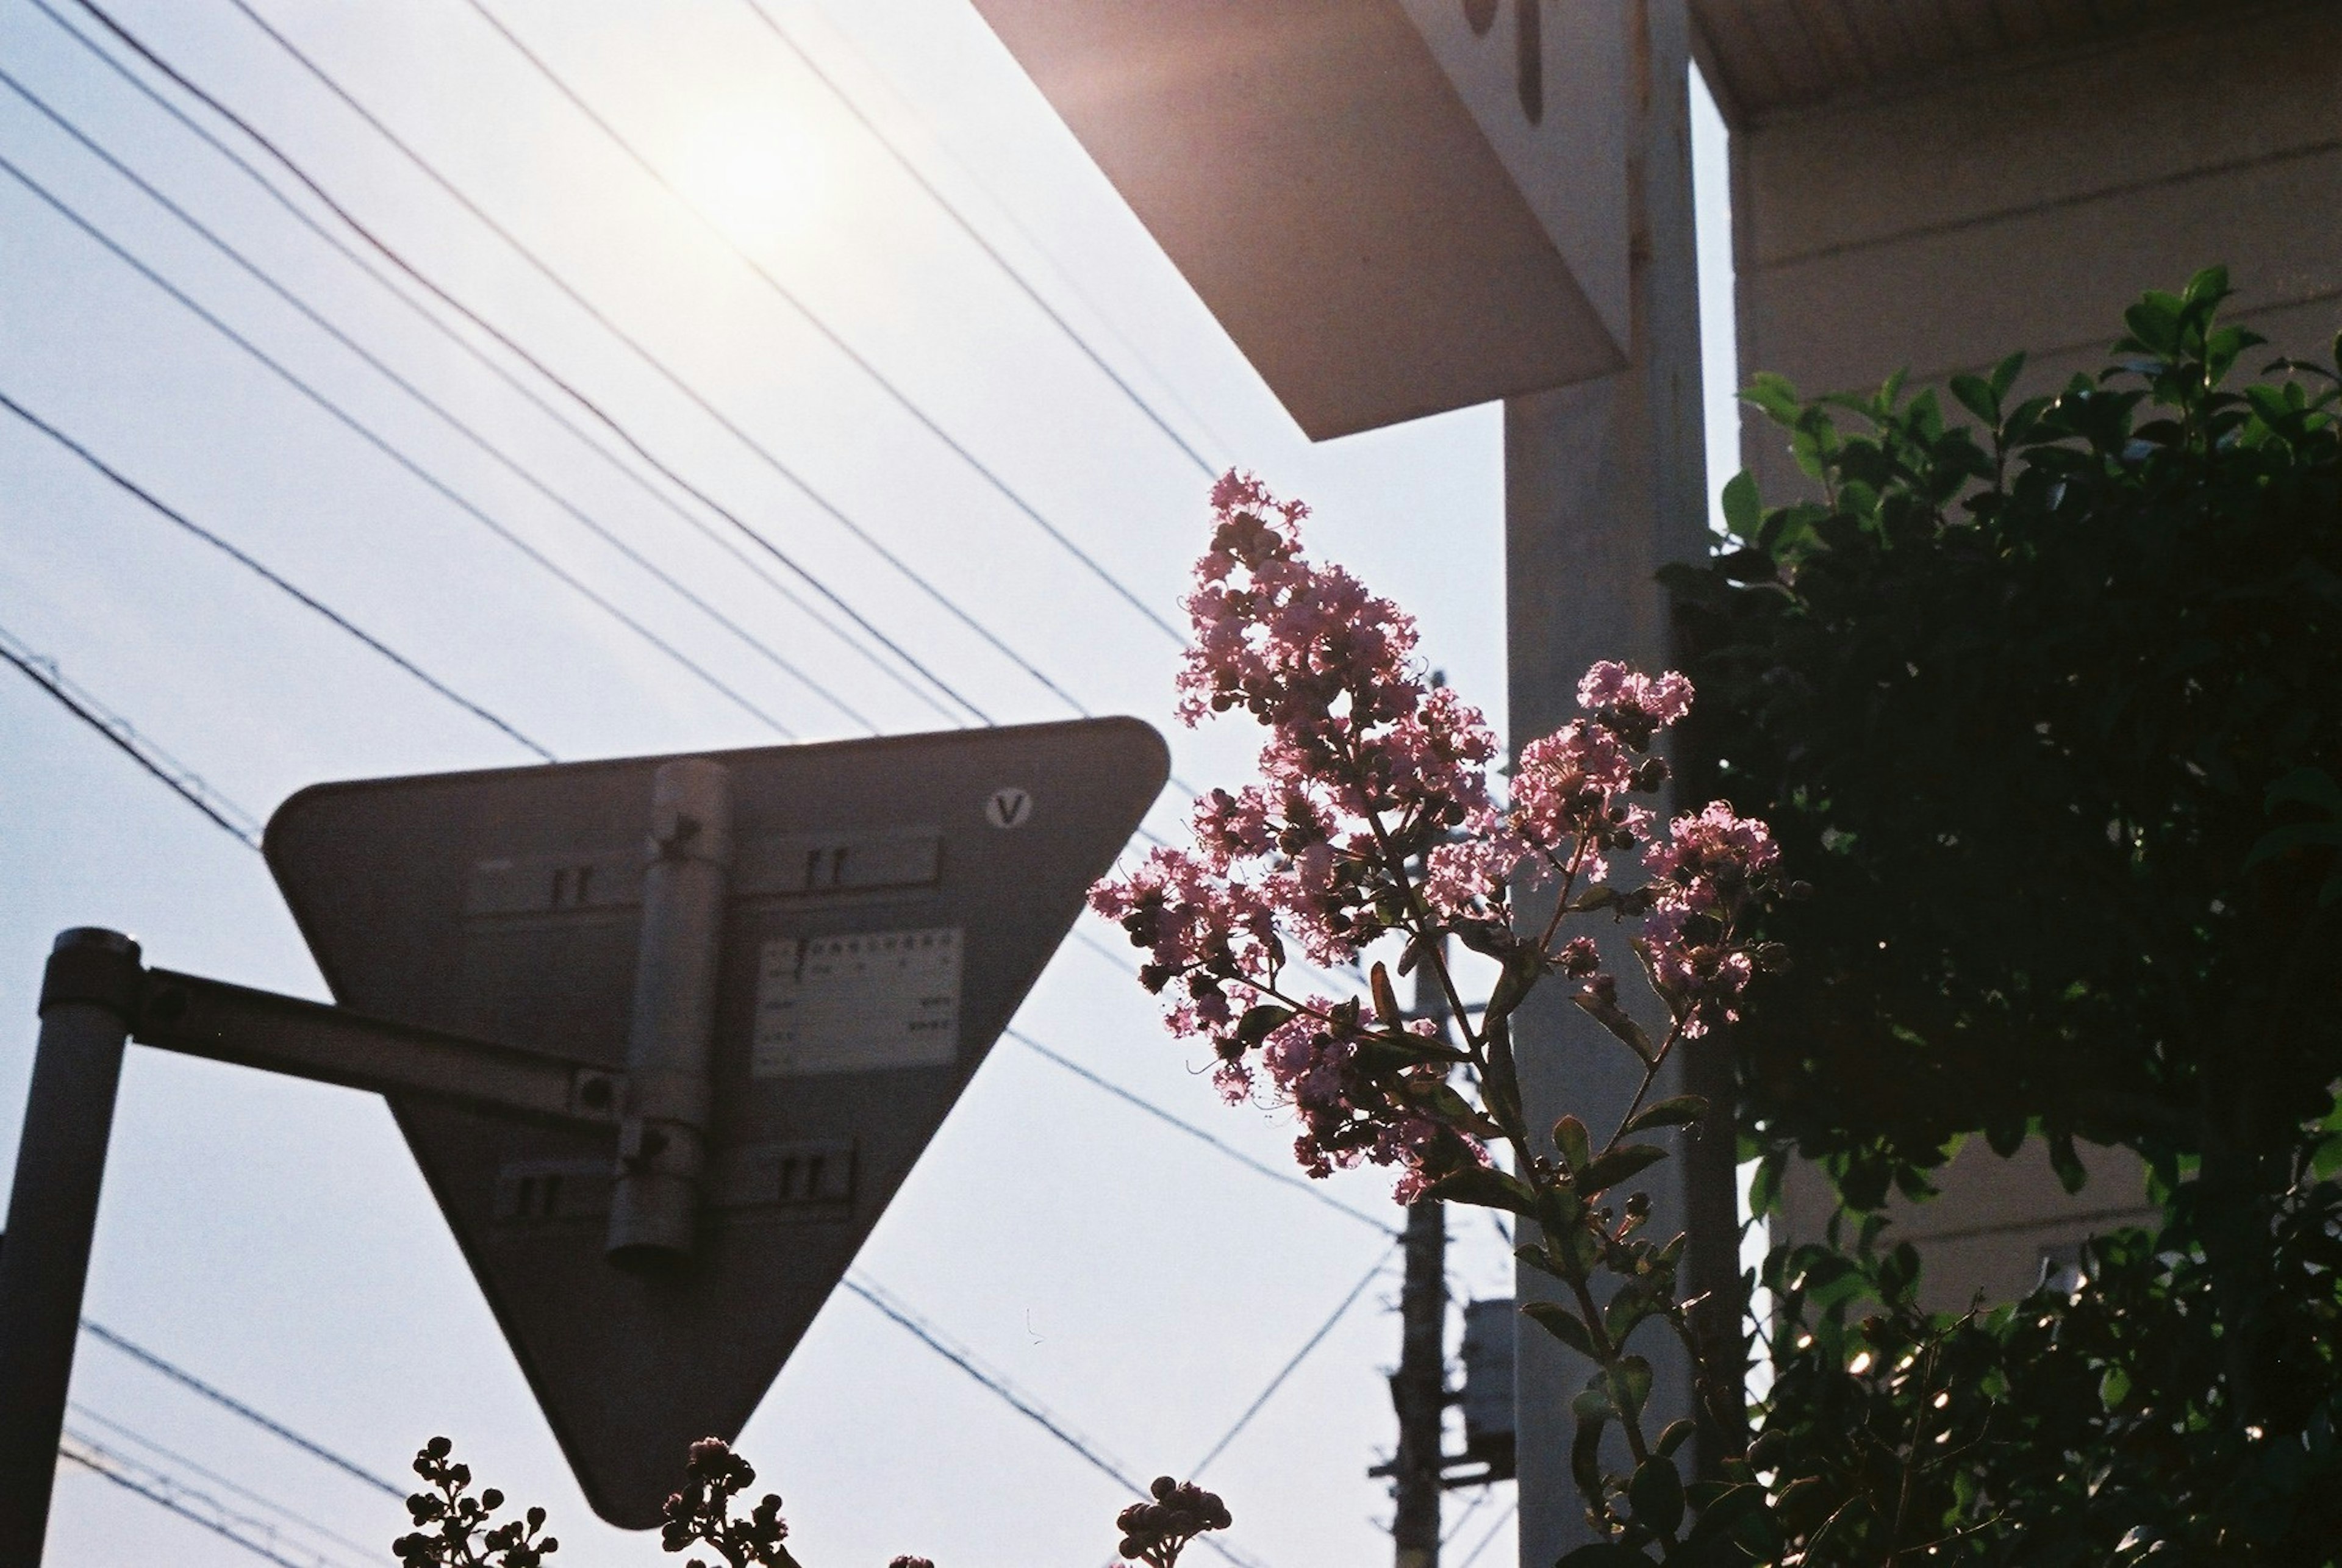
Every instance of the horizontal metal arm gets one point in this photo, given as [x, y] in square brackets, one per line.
[211, 1018]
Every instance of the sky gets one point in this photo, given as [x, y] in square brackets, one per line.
[272, 1237]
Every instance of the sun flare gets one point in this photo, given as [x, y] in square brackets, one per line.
[760, 176]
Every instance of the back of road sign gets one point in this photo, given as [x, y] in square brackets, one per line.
[890, 903]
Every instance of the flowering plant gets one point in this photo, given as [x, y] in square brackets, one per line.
[1377, 821]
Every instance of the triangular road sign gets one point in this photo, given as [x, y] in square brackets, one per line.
[884, 907]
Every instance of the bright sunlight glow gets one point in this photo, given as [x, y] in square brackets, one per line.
[760, 176]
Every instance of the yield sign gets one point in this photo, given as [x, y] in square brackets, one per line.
[792, 959]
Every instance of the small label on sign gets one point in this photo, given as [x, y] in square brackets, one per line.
[1009, 807]
[862, 1003]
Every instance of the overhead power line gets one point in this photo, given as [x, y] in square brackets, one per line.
[1070, 281]
[180, 780]
[327, 612]
[423, 313]
[829, 333]
[256, 1536]
[1138, 1101]
[189, 1381]
[431, 172]
[595, 313]
[380, 443]
[1341, 1310]
[602, 319]
[902, 161]
[1482, 1545]
[927, 1334]
[225, 1483]
[439, 411]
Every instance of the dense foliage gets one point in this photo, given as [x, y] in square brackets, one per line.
[2046, 712]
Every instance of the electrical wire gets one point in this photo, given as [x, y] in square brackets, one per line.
[829, 333]
[382, 443]
[1502, 1519]
[602, 319]
[188, 1381]
[927, 1334]
[1071, 283]
[162, 1491]
[902, 161]
[1284, 1178]
[431, 172]
[562, 384]
[1480, 1495]
[487, 362]
[224, 1483]
[1382, 1262]
[594, 312]
[438, 410]
[267, 576]
[180, 779]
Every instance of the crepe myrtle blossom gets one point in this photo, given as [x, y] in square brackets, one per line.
[1376, 814]
[1155, 1532]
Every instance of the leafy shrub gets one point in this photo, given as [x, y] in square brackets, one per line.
[2048, 712]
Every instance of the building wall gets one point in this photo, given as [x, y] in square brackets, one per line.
[2022, 203]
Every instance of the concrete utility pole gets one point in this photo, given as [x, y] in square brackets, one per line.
[1419, 1386]
[1604, 484]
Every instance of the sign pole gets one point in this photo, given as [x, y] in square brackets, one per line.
[88, 994]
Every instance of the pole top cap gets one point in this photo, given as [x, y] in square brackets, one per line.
[85, 937]
[91, 964]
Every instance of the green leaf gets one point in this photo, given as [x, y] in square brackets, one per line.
[1536, 1257]
[1727, 1509]
[1254, 1025]
[1657, 1496]
[1592, 1404]
[1576, 1144]
[1614, 1018]
[1679, 1112]
[1774, 393]
[2154, 323]
[1676, 1434]
[2005, 375]
[1764, 1188]
[2293, 835]
[1976, 395]
[1586, 1453]
[1561, 1323]
[1599, 1555]
[2307, 786]
[1630, 1384]
[1626, 1310]
[1485, 1186]
[1619, 1165]
[1743, 511]
[2114, 1388]
[2071, 1176]
[1385, 999]
[2209, 286]
[1559, 1209]
[1522, 968]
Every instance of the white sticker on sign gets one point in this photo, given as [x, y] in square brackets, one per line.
[857, 1003]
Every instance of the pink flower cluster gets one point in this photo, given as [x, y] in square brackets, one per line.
[1373, 813]
[1703, 872]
